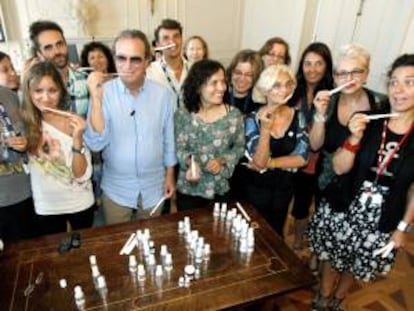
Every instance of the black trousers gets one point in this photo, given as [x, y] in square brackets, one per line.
[304, 188]
[270, 193]
[48, 224]
[17, 221]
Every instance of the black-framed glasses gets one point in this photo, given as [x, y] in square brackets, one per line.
[343, 74]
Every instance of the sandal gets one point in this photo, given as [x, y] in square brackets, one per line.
[335, 304]
[320, 303]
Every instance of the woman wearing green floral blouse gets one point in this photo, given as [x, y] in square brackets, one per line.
[209, 137]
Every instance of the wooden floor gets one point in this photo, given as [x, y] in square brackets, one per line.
[394, 292]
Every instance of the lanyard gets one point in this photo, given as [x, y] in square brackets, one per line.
[7, 122]
[171, 83]
[384, 162]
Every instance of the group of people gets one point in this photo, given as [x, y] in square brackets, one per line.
[183, 127]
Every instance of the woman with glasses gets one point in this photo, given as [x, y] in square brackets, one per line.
[209, 137]
[277, 143]
[242, 74]
[275, 51]
[329, 132]
[60, 165]
[314, 74]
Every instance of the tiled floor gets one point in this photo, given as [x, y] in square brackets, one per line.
[394, 292]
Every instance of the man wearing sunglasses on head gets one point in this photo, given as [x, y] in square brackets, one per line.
[131, 121]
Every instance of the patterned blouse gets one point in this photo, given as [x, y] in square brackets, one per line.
[223, 139]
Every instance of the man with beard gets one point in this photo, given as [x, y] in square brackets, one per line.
[171, 70]
[49, 43]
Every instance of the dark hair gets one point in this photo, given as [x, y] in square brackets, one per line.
[203, 43]
[267, 47]
[199, 74]
[405, 60]
[134, 34]
[38, 27]
[31, 115]
[167, 24]
[4, 56]
[93, 46]
[246, 56]
[327, 80]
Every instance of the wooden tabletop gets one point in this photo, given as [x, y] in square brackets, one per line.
[227, 280]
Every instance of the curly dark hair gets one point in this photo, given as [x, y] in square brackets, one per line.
[36, 28]
[199, 74]
[326, 82]
[405, 60]
[93, 46]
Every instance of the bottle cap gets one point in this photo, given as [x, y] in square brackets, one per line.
[101, 282]
[92, 260]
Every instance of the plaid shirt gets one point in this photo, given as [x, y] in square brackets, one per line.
[78, 92]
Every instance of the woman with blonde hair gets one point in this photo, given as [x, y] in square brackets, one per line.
[277, 143]
[329, 133]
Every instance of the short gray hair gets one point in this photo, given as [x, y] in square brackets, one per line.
[353, 51]
[267, 79]
[134, 34]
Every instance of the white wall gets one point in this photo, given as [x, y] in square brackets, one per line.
[385, 27]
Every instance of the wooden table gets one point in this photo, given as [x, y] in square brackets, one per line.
[227, 280]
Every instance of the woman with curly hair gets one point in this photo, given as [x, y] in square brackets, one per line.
[97, 55]
[209, 137]
[60, 165]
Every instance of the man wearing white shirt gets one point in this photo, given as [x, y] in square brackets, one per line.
[171, 70]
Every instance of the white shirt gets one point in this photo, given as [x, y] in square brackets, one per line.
[55, 190]
[162, 73]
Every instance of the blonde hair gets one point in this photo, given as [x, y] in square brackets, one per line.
[353, 51]
[267, 80]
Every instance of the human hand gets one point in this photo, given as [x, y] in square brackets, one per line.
[95, 81]
[321, 102]
[18, 143]
[214, 166]
[357, 125]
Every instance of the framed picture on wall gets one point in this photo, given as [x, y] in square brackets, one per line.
[3, 36]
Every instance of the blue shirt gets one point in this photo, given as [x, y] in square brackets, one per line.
[137, 142]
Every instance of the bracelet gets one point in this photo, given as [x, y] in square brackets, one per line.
[319, 118]
[404, 227]
[350, 147]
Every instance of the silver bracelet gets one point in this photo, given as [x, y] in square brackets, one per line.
[404, 226]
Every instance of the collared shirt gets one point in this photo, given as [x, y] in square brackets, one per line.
[78, 92]
[137, 142]
[161, 72]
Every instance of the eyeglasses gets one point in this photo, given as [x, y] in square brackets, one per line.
[133, 60]
[356, 73]
[407, 83]
[277, 56]
[278, 86]
[238, 73]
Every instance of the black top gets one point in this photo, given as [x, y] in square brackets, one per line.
[244, 104]
[398, 177]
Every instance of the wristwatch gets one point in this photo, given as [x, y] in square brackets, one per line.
[404, 226]
[79, 151]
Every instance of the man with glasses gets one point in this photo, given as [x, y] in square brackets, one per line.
[131, 121]
[171, 70]
[49, 43]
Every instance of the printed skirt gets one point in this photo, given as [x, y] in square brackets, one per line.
[348, 239]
